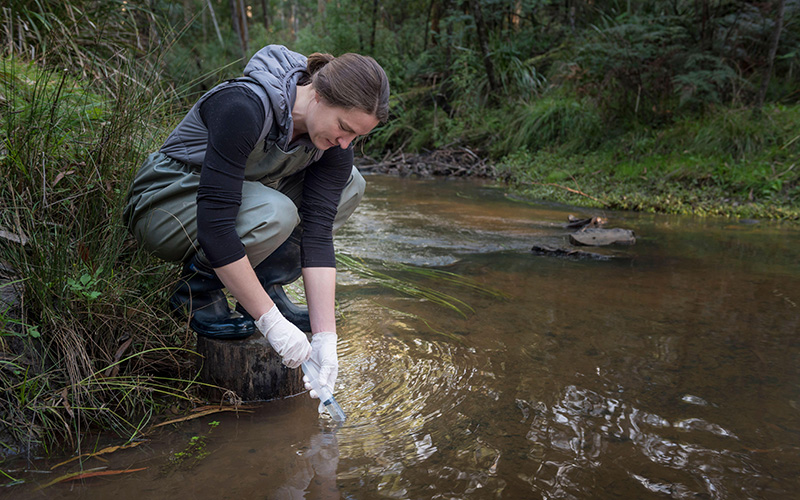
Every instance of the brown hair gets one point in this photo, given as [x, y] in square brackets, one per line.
[351, 81]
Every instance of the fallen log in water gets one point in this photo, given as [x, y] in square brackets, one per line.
[458, 162]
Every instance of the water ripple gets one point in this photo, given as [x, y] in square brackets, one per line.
[392, 384]
[572, 435]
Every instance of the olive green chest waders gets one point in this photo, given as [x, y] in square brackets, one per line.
[162, 216]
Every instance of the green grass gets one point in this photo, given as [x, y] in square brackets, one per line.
[556, 146]
[729, 163]
[88, 344]
[574, 124]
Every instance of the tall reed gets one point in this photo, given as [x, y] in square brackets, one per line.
[83, 298]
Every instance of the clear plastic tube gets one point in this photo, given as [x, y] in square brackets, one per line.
[334, 410]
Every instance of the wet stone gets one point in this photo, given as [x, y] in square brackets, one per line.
[598, 237]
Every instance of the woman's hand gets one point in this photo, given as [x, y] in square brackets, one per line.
[323, 352]
[287, 340]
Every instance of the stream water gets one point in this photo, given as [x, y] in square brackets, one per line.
[669, 371]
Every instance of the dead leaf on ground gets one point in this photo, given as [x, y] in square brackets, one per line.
[16, 238]
[61, 175]
[104, 473]
[109, 449]
[201, 414]
[64, 400]
[98, 471]
[113, 371]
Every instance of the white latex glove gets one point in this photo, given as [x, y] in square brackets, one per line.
[287, 340]
[323, 353]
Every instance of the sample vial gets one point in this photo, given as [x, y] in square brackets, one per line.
[334, 410]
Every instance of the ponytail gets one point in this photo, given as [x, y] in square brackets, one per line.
[317, 61]
[351, 81]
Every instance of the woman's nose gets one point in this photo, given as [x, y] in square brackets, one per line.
[345, 140]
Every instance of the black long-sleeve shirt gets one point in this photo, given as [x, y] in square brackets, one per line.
[234, 118]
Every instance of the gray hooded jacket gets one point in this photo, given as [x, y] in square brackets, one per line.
[272, 73]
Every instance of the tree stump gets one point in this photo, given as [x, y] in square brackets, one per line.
[249, 367]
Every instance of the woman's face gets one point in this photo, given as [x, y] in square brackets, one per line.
[329, 126]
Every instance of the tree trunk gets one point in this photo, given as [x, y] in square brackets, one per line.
[214, 20]
[235, 21]
[245, 28]
[773, 50]
[448, 53]
[483, 42]
[374, 24]
[265, 12]
[516, 15]
[239, 20]
[359, 18]
[187, 12]
[293, 19]
[436, 12]
[428, 26]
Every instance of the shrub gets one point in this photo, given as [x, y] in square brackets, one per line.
[554, 121]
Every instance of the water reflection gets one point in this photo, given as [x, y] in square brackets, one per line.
[583, 430]
[313, 473]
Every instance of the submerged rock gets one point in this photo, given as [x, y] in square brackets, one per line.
[589, 233]
[598, 237]
[565, 251]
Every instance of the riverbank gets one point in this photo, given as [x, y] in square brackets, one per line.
[584, 180]
[674, 184]
[732, 163]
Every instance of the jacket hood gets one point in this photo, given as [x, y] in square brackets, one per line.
[277, 70]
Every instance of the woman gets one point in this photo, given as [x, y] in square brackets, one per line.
[248, 190]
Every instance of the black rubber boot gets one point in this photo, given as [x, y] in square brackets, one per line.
[282, 267]
[199, 294]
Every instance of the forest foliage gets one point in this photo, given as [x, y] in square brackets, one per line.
[646, 63]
